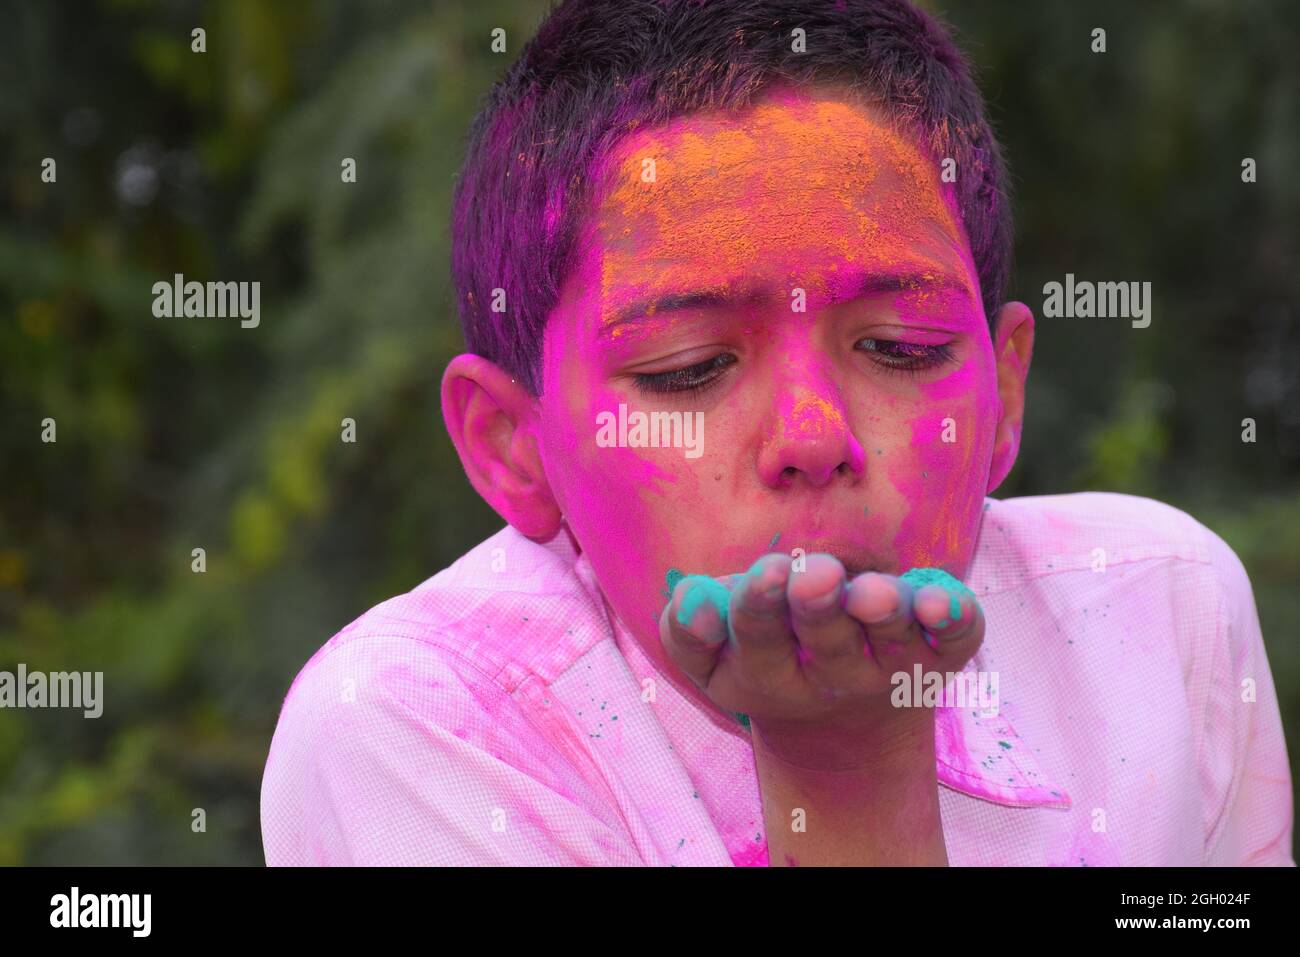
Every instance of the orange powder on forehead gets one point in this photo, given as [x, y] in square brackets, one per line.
[723, 189]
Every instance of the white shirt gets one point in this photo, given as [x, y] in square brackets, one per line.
[500, 713]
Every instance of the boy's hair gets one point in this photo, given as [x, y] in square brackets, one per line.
[600, 69]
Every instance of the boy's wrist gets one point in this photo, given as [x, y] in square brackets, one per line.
[889, 740]
[875, 804]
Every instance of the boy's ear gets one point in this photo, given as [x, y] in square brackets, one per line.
[490, 418]
[1012, 350]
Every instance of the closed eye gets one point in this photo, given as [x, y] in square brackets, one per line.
[906, 357]
[693, 378]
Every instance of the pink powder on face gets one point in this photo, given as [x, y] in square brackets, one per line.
[804, 436]
[947, 474]
[945, 482]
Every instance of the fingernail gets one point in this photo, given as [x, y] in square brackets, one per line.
[881, 593]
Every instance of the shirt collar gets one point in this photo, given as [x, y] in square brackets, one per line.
[985, 757]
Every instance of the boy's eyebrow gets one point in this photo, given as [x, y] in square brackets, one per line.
[860, 286]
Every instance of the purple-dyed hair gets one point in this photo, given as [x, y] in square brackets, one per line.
[600, 69]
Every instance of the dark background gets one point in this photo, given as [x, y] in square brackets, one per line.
[175, 434]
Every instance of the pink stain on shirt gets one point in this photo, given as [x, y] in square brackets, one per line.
[473, 750]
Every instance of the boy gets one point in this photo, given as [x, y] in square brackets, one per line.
[731, 280]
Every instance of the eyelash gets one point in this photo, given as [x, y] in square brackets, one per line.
[696, 378]
[692, 379]
[915, 357]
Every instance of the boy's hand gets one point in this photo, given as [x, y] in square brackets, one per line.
[809, 656]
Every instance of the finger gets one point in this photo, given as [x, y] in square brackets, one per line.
[883, 606]
[693, 626]
[758, 617]
[831, 644]
[951, 617]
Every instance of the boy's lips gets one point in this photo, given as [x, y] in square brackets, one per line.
[856, 559]
[854, 567]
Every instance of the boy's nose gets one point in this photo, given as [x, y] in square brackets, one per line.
[809, 437]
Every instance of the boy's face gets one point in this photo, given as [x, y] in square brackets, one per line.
[817, 303]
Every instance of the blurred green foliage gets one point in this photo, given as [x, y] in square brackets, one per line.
[179, 435]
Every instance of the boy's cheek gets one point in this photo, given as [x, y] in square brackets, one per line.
[621, 502]
[632, 537]
[942, 478]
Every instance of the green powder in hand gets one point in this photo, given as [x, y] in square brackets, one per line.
[701, 589]
[708, 590]
[917, 577]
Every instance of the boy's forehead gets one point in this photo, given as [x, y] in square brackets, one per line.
[803, 187]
